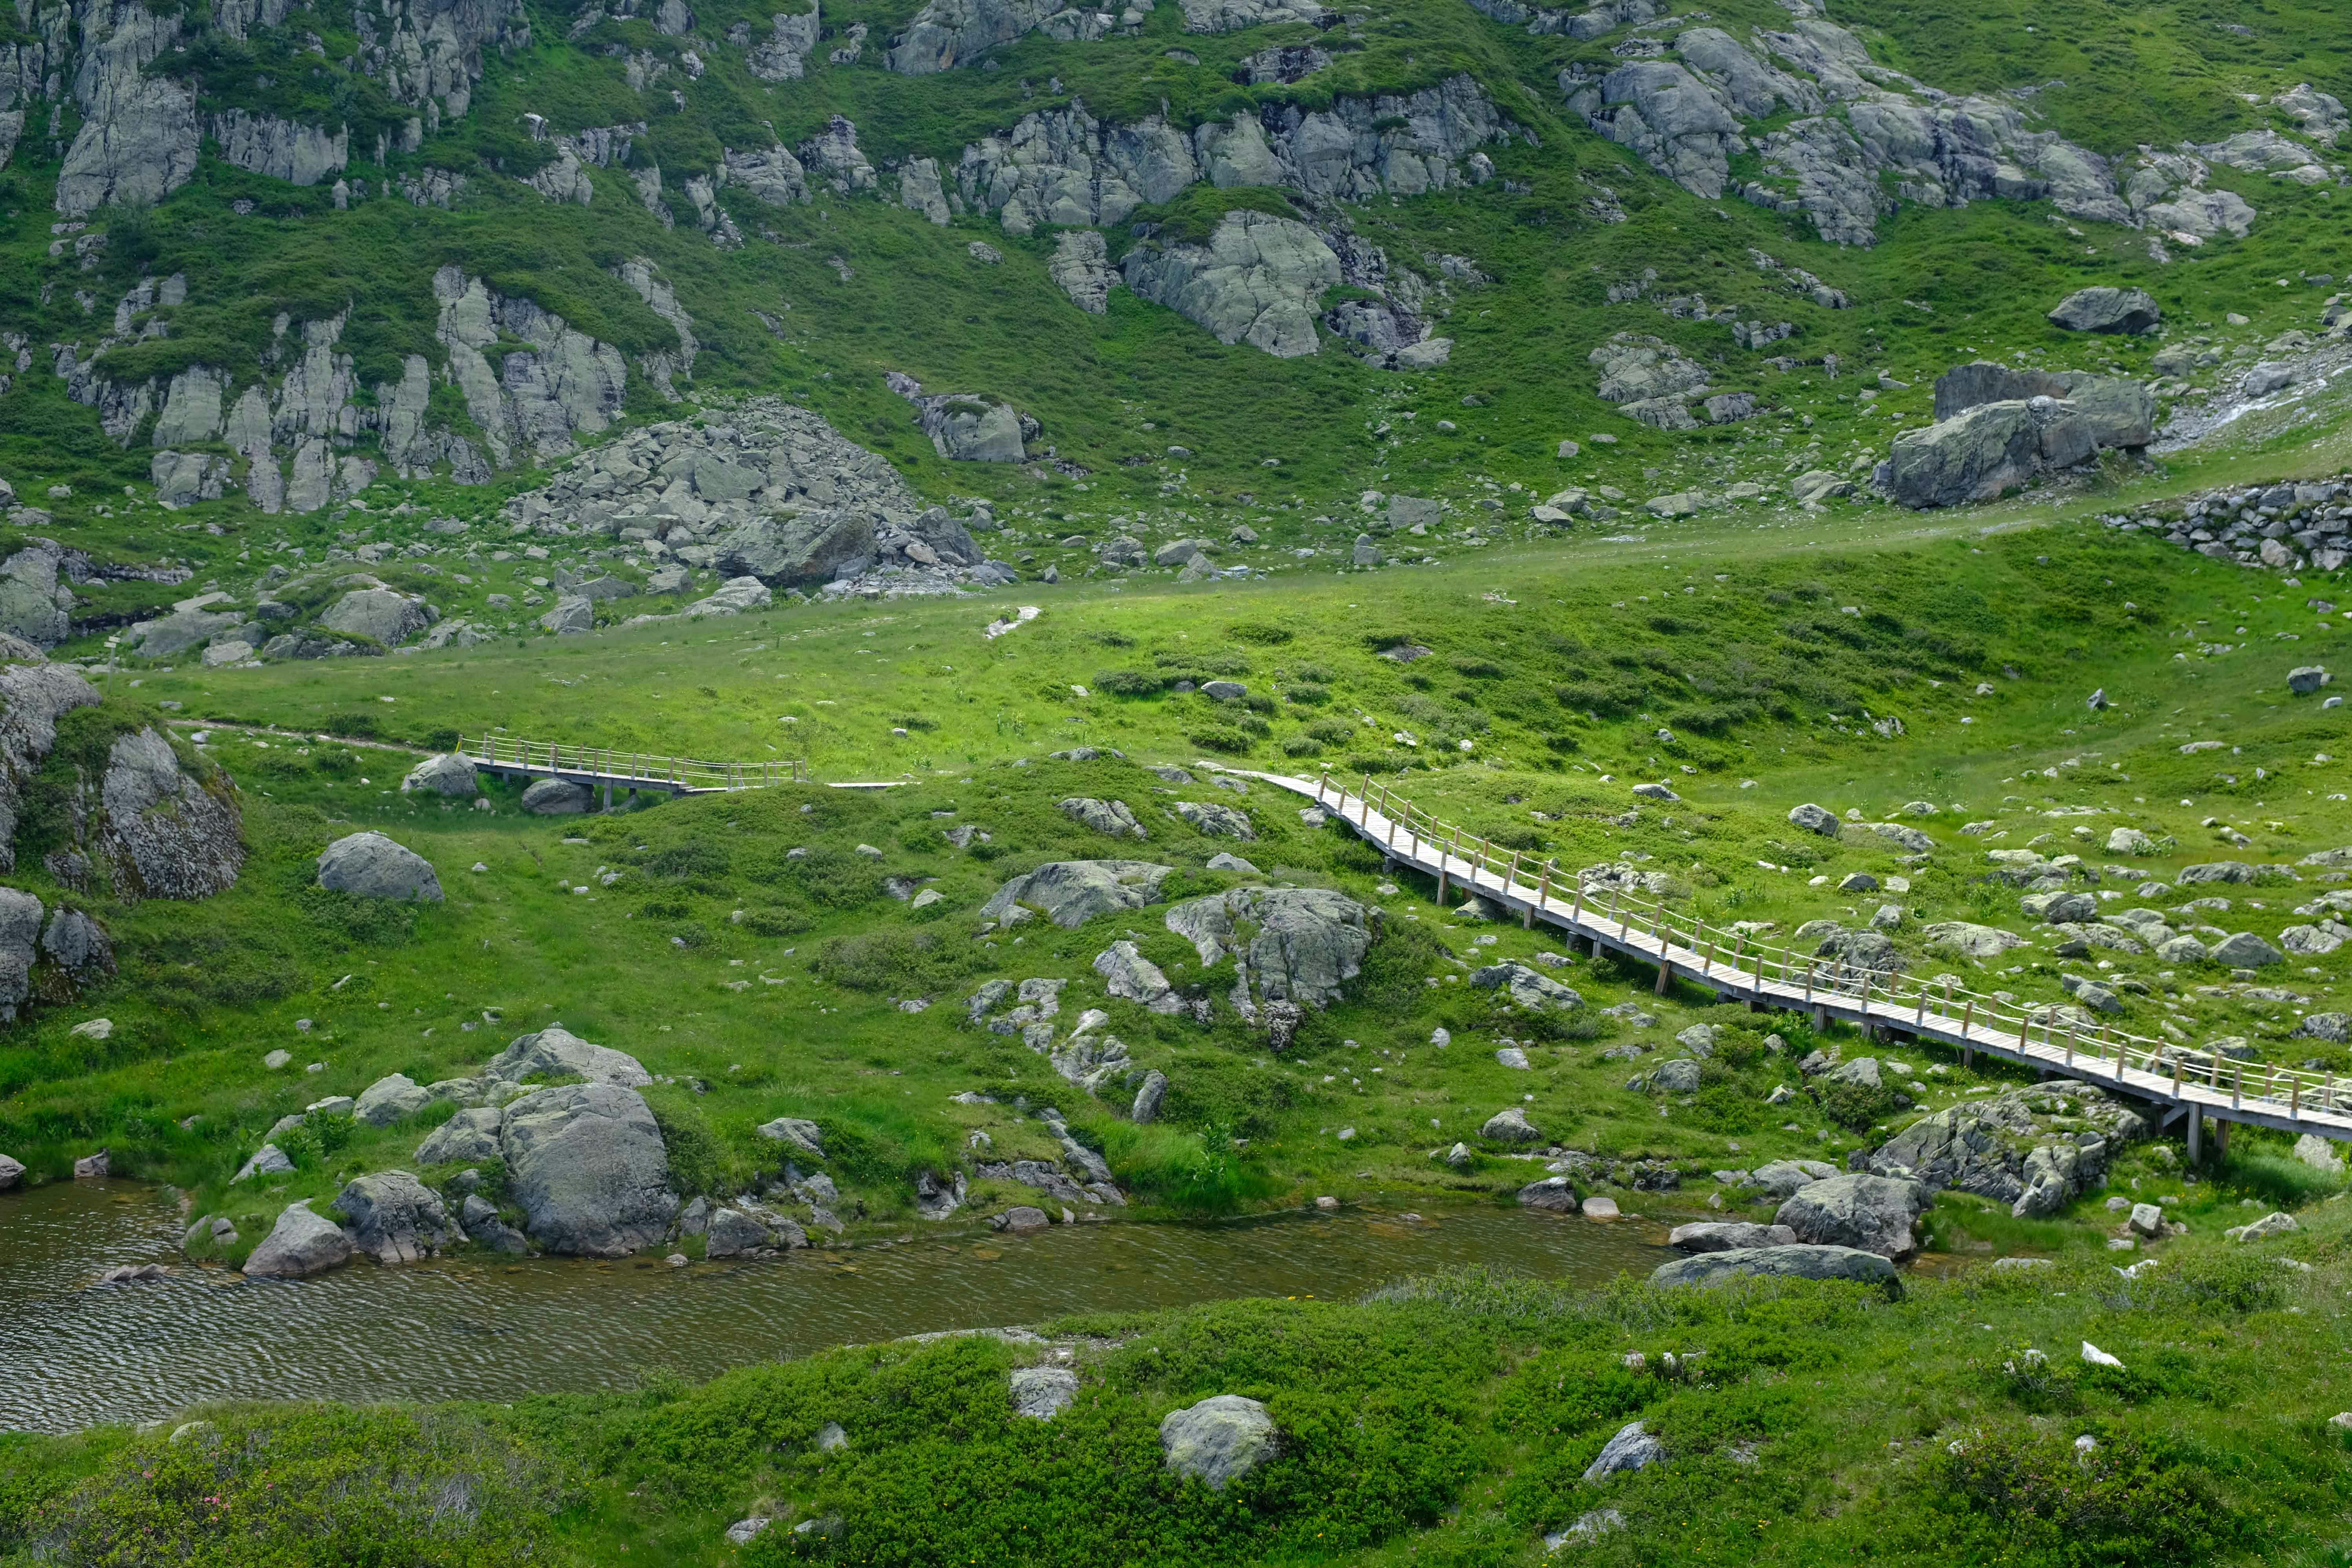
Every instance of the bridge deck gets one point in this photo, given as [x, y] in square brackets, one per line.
[2057, 1040]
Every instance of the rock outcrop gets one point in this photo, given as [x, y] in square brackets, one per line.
[2035, 1150]
[1071, 893]
[1797, 1262]
[1996, 428]
[1875, 1214]
[152, 828]
[1294, 945]
[1258, 280]
[370, 865]
[587, 1163]
[395, 1218]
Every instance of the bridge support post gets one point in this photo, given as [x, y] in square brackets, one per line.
[2196, 1133]
[1666, 975]
[608, 795]
[2220, 1138]
[1821, 1020]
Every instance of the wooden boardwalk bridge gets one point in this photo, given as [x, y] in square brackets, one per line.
[2056, 1038]
[603, 767]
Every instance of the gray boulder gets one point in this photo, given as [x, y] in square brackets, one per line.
[390, 1099]
[1150, 1097]
[2245, 950]
[384, 615]
[812, 548]
[268, 1160]
[370, 866]
[1798, 1262]
[1113, 819]
[2104, 309]
[1042, 1392]
[79, 947]
[1131, 977]
[1307, 944]
[558, 797]
[587, 1163]
[467, 1138]
[1816, 819]
[12, 1172]
[2304, 679]
[301, 1244]
[447, 774]
[1510, 1125]
[801, 1134]
[1633, 1448]
[1081, 268]
[160, 831]
[1972, 456]
[555, 1052]
[573, 615]
[1217, 821]
[735, 1234]
[1780, 1178]
[733, 598]
[1554, 1194]
[1728, 1236]
[1680, 1076]
[1971, 941]
[1875, 1214]
[2059, 908]
[395, 1218]
[1071, 893]
[484, 1228]
[2231, 871]
[1527, 987]
[1218, 1440]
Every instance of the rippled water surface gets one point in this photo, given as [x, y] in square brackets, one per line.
[71, 1355]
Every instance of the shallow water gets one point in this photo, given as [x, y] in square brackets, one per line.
[72, 1355]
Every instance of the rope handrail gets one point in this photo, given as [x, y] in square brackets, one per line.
[1943, 1003]
[604, 762]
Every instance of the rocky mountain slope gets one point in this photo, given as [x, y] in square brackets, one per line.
[1110, 269]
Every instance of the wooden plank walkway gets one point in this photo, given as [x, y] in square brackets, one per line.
[1741, 967]
[514, 757]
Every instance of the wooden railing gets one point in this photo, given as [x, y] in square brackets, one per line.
[634, 770]
[1645, 925]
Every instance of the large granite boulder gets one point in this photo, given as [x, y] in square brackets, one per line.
[1974, 456]
[587, 1163]
[1728, 1236]
[1112, 818]
[1298, 945]
[1798, 1262]
[2106, 310]
[391, 1098]
[1218, 1440]
[1071, 893]
[301, 1244]
[370, 865]
[395, 1218]
[33, 696]
[467, 1138]
[556, 1052]
[161, 831]
[797, 551]
[448, 773]
[1875, 1214]
[558, 797]
[1527, 987]
[383, 615]
[2034, 1148]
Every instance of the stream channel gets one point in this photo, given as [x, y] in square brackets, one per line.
[76, 1354]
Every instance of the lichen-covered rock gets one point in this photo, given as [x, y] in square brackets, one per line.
[301, 1244]
[1725, 1236]
[2035, 1149]
[1071, 893]
[1218, 1440]
[1798, 1262]
[395, 1218]
[2104, 309]
[159, 831]
[1257, 280]
[558, 797]
[587, 1163]
[370, 865]
[448, 773]
[1875, 1214]
[467, 1138]
[555, 1051]
[1215, 820]
[384, 615]
[391, 1098]
[1112, 818]
[1081, 268]
[1527, 987]
[1307, 944]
